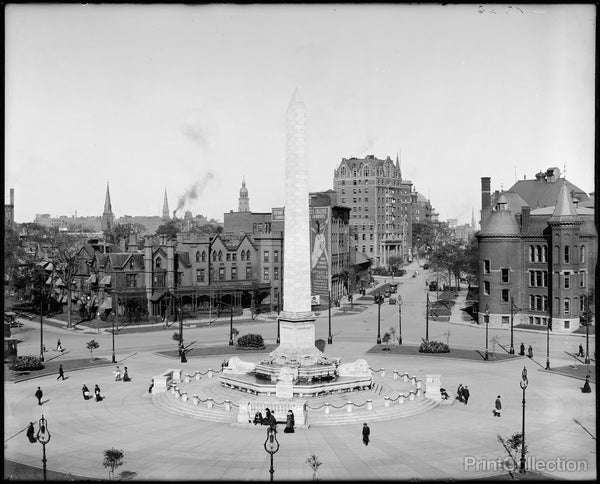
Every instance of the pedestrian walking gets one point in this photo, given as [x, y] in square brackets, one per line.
[497, 407]
[99, 398]
[466, 394]
[61, 373]
[522, 350]
[586, 386]
[580, 353]
[39, 394]
[151, 386]
[117, 374]
[86, 392]
[530, 352]
[459, 392]
[31, 433]
[59, 346]
[125, 375]
[366, 432]
[289, 424]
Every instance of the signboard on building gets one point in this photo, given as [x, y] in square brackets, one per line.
[278, 214]
[320, 250]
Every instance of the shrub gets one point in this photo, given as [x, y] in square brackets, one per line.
[434, 347]
[27, 363]
[251, 341]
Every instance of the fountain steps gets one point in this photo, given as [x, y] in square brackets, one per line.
[167, 402]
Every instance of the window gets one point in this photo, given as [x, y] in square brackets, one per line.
[228, 256]
[200, 275]
[343, 171]
[158, 262]
[486, 266]
[131, 264]
[203, 256]
[248, 273]
[179, 279]
[197, 256]
[556, 254]
[567, 306]
[214, 256]
[276, 273]
[567, 254]
[567, 280]
[505, 295]
[266, 273]
[582, 277]
[505, 275]
[248, 255]
[159, 280]
[234, 273]
[582, 254]
[243, 255]
[505, 320]
[221, 273]
[531, 302]
[531, 253]
[220, 256]
[131, 280]
[234, 256]
[544, 253]
[567, 324]
[275, 256]
[538, 303]
[486, 288]
[266, 256]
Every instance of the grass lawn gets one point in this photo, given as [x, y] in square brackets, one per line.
[413, 350]
[219, 350]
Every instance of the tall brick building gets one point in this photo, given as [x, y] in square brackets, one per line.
[380, 206]
[538, 252]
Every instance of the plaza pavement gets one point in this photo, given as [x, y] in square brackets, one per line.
[434, 445]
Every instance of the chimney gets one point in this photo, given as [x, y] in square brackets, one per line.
[485, 192]
[525, 214]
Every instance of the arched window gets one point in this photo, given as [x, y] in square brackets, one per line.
[531, 253]
[203, 256]
[158, 262]
[538, 253]
[567, 251]
[556, 254]
[243, 255]
[582, 254]
[214, 256]
[197, 256]
[248, 254]
[220, 256]
[354, 173]
[366, 171]
[544, 254]
[343, 172]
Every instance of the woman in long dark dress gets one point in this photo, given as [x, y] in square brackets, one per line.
[586, 386]
[289, 425]
[86, 392]
[126, 375]
[97, 393]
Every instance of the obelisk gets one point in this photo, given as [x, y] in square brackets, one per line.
[297, 322]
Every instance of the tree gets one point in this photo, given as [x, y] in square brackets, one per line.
[393, 333]
[386, 338]
[170, 229]
[113, 458]
[394, 262]
[120, 232]
[512, 446]
[314, 463]
[92, 345]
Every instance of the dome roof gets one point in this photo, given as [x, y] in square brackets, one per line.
[243, 190]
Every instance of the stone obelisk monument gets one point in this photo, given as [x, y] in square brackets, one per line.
[297, 322]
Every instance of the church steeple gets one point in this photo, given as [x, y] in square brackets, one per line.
[244, 201]
[165, 210]
[107, 215]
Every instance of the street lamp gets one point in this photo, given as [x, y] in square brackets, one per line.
[43, 437]
[399, 319]
[587, 330]
[523, 383]
[378, 300]
[513, 306]
[487, 320]
[330, 337]
[231, 325]
[548, 329]
[179, 313]
[271, 446]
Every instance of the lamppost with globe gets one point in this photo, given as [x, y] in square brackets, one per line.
[486, 317]
[271, 446]
[43, 437]
[523, 383]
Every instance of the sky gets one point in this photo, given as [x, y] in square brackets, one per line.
[193, 99]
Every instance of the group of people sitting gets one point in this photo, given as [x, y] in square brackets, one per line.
[269, 419]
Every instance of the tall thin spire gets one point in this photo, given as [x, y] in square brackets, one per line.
[165, 210]
[107, 204]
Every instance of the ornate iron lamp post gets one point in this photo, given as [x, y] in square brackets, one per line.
[378, 300]
[587, 330]
[548, 329]
[43, 437]
[399, 319]
[330, 337]
[231, 325]
[271, 446]
[427, 319]
[523, 383]
[182, 356]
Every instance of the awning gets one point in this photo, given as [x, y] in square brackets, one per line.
[92, 279]
[157, 296]
[105, 281]
[106, 304]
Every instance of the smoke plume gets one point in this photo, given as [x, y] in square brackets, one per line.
[195, 190]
